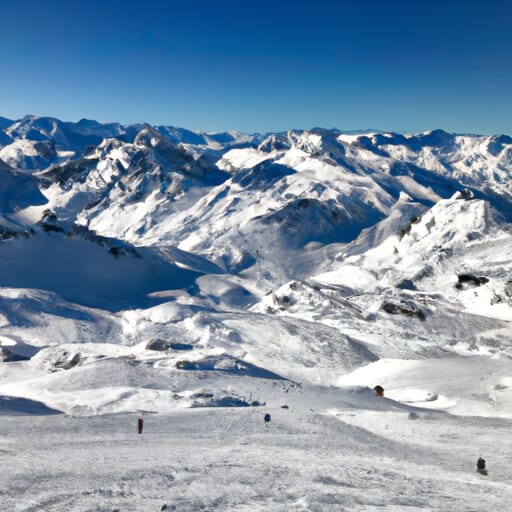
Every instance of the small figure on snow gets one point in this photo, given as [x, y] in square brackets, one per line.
[267, 419]
[379, 390]
[480, 466]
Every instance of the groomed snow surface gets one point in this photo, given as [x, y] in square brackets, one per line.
[372, 457]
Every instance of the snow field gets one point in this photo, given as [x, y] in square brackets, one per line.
[226, 459]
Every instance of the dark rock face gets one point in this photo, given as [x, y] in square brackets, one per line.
[508, 289]
[469, 280]
[465, 194]
[407, 228]
[69, 363]
[158, 345]
[163, 346]
[399, 309]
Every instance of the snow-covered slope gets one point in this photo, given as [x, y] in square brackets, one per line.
[28, 154]
[67, 136]
[156, 267]
[479, 162]
[18, 190]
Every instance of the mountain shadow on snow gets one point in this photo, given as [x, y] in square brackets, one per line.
[262, 176]
[228, 365]
[90, 273]
[22, 406]
[305, 220]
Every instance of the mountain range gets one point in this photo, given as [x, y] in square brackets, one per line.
[153, 267]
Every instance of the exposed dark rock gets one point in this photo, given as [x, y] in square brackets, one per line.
[184, 364]
[49, 216]
[276, 142]
[398, 309]
[48, 228]
[76, 170]
[470, 280]
[465, 194]
[508, 289]
[69, 363]
[162, 345]
[158, 345]
[407, 228]
[496, 299]
[49, 221]
[282, 300]
[46, 149]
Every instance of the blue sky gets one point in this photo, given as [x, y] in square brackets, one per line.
[401, 65]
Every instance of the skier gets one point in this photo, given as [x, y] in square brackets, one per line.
[379, 390]
[480, 466]
[267, 419]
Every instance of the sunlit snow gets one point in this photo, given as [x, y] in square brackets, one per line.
[200, 281]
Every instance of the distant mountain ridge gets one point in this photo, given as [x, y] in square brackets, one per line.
[75, 138]
[195, 191]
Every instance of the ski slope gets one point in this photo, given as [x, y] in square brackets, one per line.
[346, 457]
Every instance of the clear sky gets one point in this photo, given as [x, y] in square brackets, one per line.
[260, 65]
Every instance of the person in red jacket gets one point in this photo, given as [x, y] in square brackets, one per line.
[379, 390]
